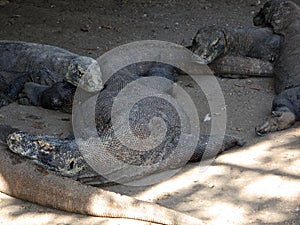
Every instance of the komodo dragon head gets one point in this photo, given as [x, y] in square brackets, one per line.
[85, 73]
[276, 14]
[209, 43]
[48, 152]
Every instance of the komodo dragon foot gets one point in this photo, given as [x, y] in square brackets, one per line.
[285, 112]
[278, 121]
[57, 97]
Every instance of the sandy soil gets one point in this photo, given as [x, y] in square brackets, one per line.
[256, 184]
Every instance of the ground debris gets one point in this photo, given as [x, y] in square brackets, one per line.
[252, 86]
[105, 26]
[85, 28]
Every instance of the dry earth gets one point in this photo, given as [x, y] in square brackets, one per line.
[256, 184]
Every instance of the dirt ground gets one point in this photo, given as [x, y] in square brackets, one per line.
[256, 184]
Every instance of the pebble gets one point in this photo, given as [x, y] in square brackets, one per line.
[211, 185]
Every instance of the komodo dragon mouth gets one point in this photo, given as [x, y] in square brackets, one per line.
[85, 73]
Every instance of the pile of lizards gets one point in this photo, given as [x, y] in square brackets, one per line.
[50, 80]
[62, 156]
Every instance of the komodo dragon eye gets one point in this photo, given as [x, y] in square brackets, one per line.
[215, 42]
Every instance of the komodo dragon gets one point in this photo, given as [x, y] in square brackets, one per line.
[23, 62]
[239, 52]
[284, 18]
[20, 178]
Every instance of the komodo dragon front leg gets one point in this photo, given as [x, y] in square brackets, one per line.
[285, 112]
[284, 19]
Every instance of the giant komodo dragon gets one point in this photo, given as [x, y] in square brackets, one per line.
[64, 158]
[284, 18]
[26, 65]
[239, 52]
[20, 178]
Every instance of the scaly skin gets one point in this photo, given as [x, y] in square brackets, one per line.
[64, 157]
[22, 62]
[248, 52]
[241, 67]
[57, 97]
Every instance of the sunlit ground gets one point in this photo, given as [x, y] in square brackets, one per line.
[259, 184]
